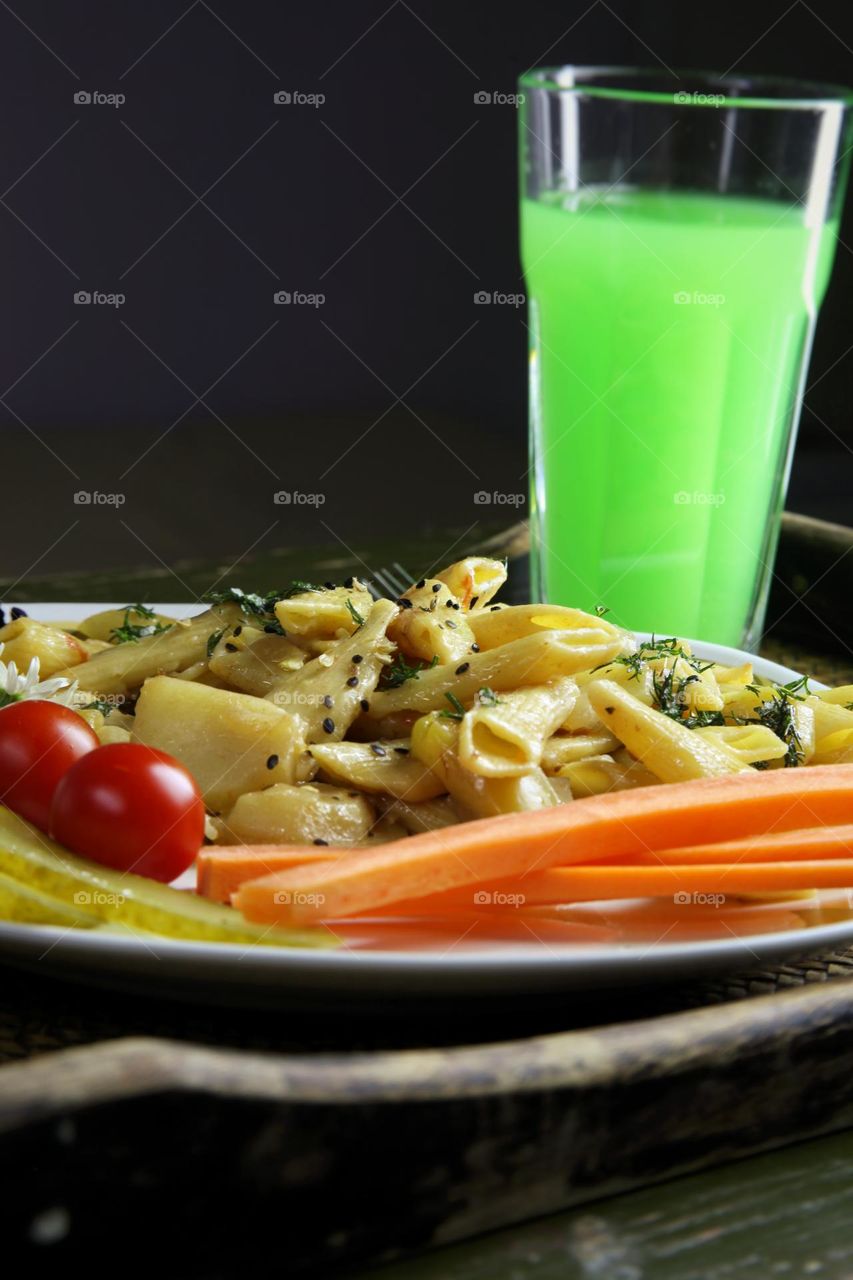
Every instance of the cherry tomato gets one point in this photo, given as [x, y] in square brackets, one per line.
[132, 808]
[39, 742]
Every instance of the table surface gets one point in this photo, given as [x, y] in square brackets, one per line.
[784, 1214]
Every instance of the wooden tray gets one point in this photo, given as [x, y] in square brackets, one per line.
[320, 1148]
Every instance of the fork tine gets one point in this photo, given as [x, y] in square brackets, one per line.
[387, 587]
[406, 577]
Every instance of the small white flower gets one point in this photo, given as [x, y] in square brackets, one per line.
[15, 687]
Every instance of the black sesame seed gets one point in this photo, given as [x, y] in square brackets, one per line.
[404, 603]
[238, 630]
[352, 682]
[230, 648]
[272, 761]
[473, 603]
[356, 657]
[328, 725]
[15, 613]
[475, 648]
[450, 623]
[494, 608]
[377, 750]
[448, 604]
[456, 604]
[421, 584]
[330, 586]
[349, 583]
[364, 704]
[460, 671]
[328, 701]
[402, 751]
[436, 586]
[321, 842]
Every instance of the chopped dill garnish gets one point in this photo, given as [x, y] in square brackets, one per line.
[354, 613]
[213, 640]
[777, 714]
[131, 632]
[798, 689]
[400, 671]
[458, 710]
[299, 588]
[253, 605]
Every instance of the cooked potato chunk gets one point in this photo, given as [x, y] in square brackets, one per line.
[57, 651]
[230, 742]
[285, 814]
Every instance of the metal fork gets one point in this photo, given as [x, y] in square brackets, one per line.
[392, 582]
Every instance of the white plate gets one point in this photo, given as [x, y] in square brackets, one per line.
[272, 976]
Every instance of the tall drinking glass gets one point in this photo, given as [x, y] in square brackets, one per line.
[677, 239]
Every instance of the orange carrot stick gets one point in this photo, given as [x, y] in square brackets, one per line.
[815, 844]
[620, 824]
[604, 881]
[220, 870]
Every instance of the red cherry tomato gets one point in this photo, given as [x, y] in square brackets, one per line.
[132, 808]
[39, 742]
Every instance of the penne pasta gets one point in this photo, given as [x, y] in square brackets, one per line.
[499, 624]
[324, 613]
[475, 580]
[670, 750]
[328, 693]
[386, 768]
[501, 737]
[431, 625]
[125, 667]
[534, 659]
[566, 748]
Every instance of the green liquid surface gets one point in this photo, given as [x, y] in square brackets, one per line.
[669, 334]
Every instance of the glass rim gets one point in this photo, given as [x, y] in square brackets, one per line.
[689, 88]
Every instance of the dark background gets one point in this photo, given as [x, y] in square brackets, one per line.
[198, 198]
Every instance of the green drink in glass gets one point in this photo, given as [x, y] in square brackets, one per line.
[676, 249]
